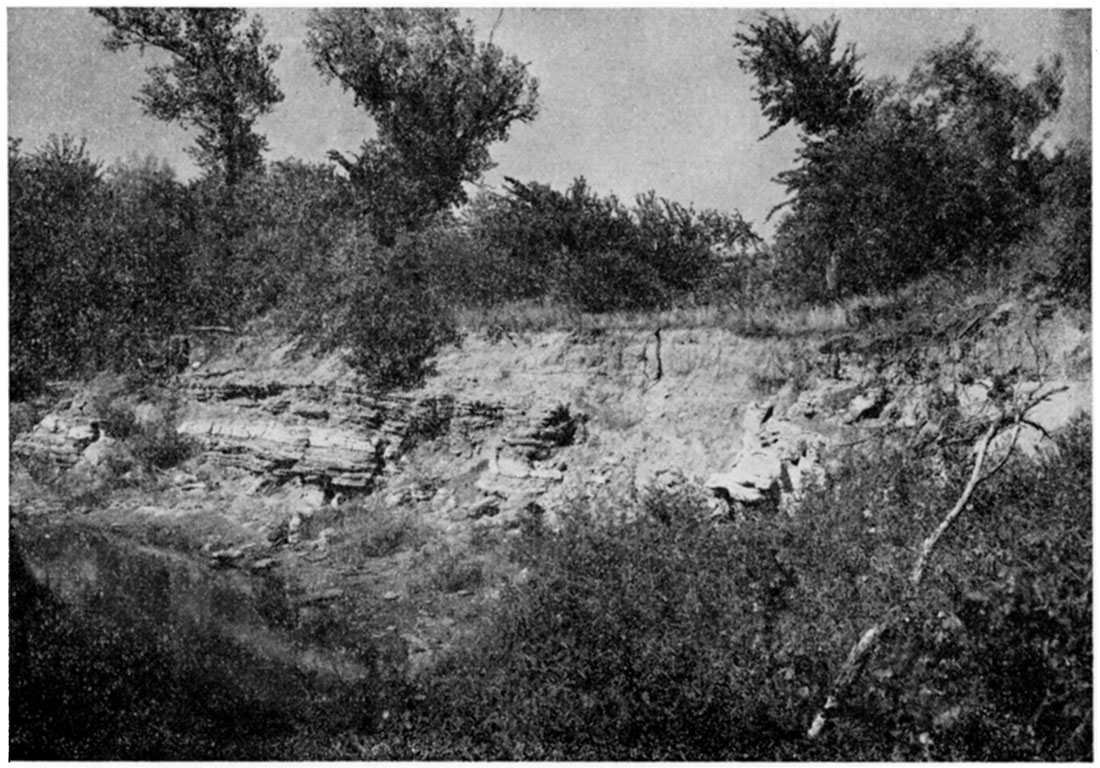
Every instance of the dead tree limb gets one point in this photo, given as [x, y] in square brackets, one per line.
[975, 478]
[860, 652]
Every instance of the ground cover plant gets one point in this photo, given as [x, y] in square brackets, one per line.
[665, 636]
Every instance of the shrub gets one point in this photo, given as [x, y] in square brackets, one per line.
[1067, 223]
[52, 201]
[99, 261]
[157, 443]
[667, 637]
[389, 532]
[396, 322]
[954, 176]
[597, 254]
[456, 572]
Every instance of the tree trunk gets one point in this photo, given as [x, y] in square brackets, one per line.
[832, 266]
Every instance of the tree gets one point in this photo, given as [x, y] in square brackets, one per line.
[219, 80]
[896, 180]
[797, 79]
[439, 99]
[52, 197]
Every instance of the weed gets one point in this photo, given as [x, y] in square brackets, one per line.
[781, 367]
[456, 572]
[389, 532]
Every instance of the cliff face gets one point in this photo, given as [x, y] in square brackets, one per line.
[579, 411]
[389, 517]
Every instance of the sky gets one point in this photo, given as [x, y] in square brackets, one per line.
[632, 99]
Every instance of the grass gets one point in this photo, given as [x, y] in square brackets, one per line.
[514, 319]
[387, 532]
[457, 571]
[666, 637]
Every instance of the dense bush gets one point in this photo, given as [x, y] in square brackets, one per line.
[1067, 222]
[51, 198]
[667, 637]
[599, 255]
[283, 229]
[97, 262]
[395, 320]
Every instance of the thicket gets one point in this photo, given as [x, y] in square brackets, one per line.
[894, 180]
[597, 254]
[98, 262]
[661, 635]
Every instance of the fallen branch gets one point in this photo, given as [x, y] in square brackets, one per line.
[975, 478]
[861, 651]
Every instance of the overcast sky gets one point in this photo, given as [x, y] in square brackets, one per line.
[632, 99]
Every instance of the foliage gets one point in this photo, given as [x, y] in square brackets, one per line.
[389, 532]
[289, 223]
[157, 443]
[395, 322]
[663, 636]
[438, 98]
[954, 172]
[597, 254]
[1067, 223]
[100, 262]
[457, 571]
[146, 223]
[52, 196]
[220, 79]
[801, 83]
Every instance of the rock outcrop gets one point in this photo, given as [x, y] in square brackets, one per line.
[777, 461]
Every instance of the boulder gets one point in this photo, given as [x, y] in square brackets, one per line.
[103, 460]
[867, 405]
[752, 480]
[777, 461]
[485, 507]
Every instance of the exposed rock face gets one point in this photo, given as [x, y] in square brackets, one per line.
[328, 435]
[59, 438]
[777, 460]
[337, 436]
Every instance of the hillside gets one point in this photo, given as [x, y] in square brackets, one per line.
[365, 539]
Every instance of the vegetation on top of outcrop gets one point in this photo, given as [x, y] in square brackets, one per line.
[131, 256]
[956, 174]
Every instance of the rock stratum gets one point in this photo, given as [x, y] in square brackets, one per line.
[386, 516]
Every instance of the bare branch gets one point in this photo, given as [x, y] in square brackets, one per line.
[975, 478]
[860, 652]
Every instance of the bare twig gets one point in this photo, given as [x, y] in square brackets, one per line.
[496, 24]
[848, 673]
[212, 329]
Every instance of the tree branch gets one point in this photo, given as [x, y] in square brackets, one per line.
[975, 477]
[860, 652]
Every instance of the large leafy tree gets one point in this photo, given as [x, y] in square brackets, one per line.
[896, 179]
[219, 80]
[438, 99]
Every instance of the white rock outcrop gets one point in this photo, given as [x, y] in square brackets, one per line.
[777, 461]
